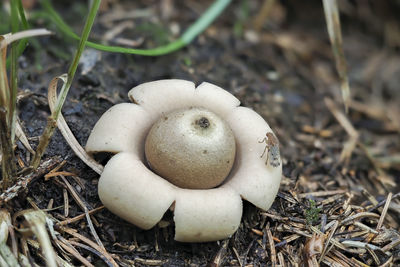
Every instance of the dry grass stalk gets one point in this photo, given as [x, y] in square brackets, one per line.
[23, 182]
[79, 217]
[335, 35]
[263, 14]
[271, 246]
[83, 206]
[88, 242]
[384, 212]
[70, 249]
[219, 257]
[37, 223]
[353, 141]
[66, 132]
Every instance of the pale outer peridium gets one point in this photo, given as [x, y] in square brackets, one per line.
[127, 186]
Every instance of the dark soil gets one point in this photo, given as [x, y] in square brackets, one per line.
[284, 71]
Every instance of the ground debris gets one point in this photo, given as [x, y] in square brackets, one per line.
[338, 204]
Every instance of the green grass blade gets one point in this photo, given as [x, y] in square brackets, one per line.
[22, 17]
[52, 120]
[204, 21]
[82, 43]
[194, 30]
[25, 26]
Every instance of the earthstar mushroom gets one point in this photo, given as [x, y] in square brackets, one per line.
[193, 149]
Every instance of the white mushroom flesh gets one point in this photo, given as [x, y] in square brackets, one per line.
[133, 192]
[206, 215]
[252, 177]
[119, 129]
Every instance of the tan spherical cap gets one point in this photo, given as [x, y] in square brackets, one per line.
[192, 148]
[128, 188]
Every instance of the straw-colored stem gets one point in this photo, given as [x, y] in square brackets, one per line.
[8, 167]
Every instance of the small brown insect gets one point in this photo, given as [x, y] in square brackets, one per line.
[272, 144]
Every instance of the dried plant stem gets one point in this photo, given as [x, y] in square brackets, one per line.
[8, 160]
[9, 38]
[37, 222]
[8, 98]
[66, 132]
[262, 16]
[13, 71]
[52, 120]
[44, 141]
[335, 35]
[6, 255]
[24, 181]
